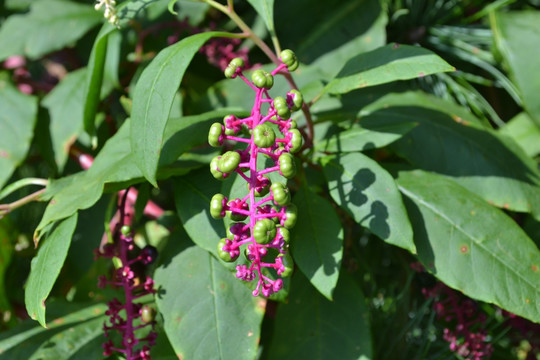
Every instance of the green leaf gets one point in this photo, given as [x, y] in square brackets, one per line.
[46, 266]
[311, 327]
[385, 64]
[481, 160]
[50, 25]
[153, 98]
[8, 237]
[209, 313]
[65, 105]
[365, 135]
[524, 132]
[17, 120]
[367, 192]
[317, 241]
[74, 331]
[192, 196]
[327, 36]
[265, 9]
[114, 163]
[518, 41]
[94, 79]
[472, 246]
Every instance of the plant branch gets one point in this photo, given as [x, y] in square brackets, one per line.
[7, 208]
[20, 184]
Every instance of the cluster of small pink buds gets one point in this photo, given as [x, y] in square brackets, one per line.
[129, 317]
[465, 322]
[265, 237]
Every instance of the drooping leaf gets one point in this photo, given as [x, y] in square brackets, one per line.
[153, 98]
[517, 39]
[17, 120]
[330, 34]
[479, 159]
[46, 266]
[265, 9]
[50, 25]
[311, 327]
[386, 64]
[317, 241]
[472, 246]
[74, 331]
[524, 132]
[65, 105]
[209, 314]
[113, 164]
[367, 192]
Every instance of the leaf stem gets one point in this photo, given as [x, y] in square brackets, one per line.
[22, 183]
[7, 208]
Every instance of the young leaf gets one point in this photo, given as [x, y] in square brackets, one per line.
[46, 266]
[17, 120]
[311, 327]
[153, 98]
[479, 159]
[317, 241]
[367, 192]
[210, 314]
[114, 163]
[517, 39]
[50, 25]
[385, 64]
[472, 246]
[65, 105]
[265, 9]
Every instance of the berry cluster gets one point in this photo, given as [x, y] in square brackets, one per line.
[266, 233]
[123, 316]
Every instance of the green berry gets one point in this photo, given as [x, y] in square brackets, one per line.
[297, 100]
[288, 264]
[216, 130]
[287, 167]
[262, 79]
[147, 314]
[234, 65]
[225, 255]
[296, 141]
[216, 206]
[229, 161]
[282, 108]
[288, 57]
[264, 136]
[290, 216]
[281, 194]
[214, 164]
[234, 216]
[264, 231]
[285, 234]
[292, 124]
[125, 230]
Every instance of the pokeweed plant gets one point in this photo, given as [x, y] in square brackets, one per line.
[392, 134]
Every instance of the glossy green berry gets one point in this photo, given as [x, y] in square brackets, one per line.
[297, 100]
[288, 57]
[290, 216]
[230, 71]
[214, 164]
[284, 233]
[125, 230]
[264, 231]
[216, 131]
[282, 108]
[225, 255]
[287, 167]
[288, 264]
[147, 314]
[296, 141]
[216, 206]
[264, 136]
[281, 194]
[262, 79]
[229, 161]
[292, 124]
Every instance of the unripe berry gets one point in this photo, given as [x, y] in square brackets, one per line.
[264, 136]
[262, 79]
[288, 57]
[229, 161]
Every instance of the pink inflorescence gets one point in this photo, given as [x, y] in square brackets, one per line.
[128, 317]
[264, 238]
[464, 329]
